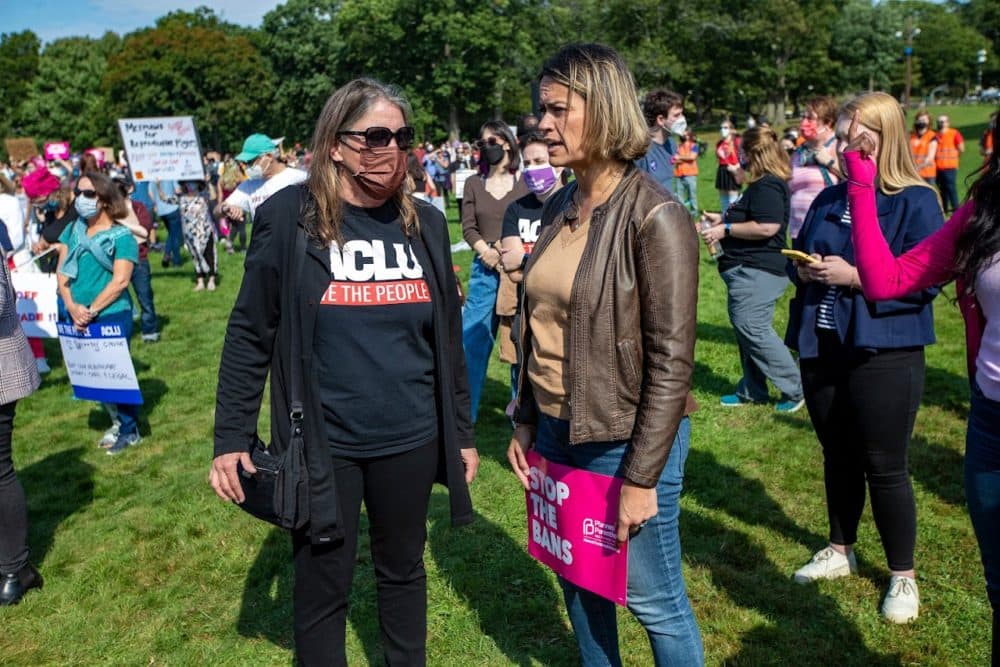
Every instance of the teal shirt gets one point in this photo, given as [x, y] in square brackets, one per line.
[92, 278]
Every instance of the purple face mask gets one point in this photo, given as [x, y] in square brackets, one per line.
[540, 179]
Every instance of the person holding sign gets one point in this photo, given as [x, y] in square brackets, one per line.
[18, 378]
[607, 338]
[863, 362]
[350, 279]
[96, 260]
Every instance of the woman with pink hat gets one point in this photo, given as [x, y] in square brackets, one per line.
[50, 211]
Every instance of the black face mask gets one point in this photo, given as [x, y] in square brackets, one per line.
[920, 126]
[493, 153]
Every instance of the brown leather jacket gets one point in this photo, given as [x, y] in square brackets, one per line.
[633, 323]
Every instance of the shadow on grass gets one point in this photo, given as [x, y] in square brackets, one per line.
[939, 469]
[803, 626]
[266, 609]
[722, 487]
[58, 486]
[716, 333]
[946, 390]
[707, 381]
[512, 596]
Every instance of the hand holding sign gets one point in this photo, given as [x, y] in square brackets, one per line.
[636, 506]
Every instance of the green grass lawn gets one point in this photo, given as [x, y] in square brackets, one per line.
[145, 566]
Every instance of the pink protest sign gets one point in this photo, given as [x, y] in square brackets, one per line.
[571, 526]
[57, 150]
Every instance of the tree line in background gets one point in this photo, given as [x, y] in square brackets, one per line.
[464, 61]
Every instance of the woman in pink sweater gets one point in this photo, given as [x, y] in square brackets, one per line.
[966, 249]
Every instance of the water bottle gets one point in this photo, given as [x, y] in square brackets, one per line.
[715, 250]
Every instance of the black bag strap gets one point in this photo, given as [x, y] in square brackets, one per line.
[296, 388]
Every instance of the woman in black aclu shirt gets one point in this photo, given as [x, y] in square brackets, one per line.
[386, 402]
[752, 233]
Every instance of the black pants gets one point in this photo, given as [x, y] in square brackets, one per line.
[863, 405]
[396, 490]
[13, 509]
[238, 231]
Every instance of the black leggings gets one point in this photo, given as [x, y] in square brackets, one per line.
[13, 509]
[396, 490]
[863, 405]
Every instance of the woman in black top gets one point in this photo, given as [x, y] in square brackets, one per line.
[752, 234]
[375, 307]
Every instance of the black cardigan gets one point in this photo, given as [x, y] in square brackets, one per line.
[254, 344]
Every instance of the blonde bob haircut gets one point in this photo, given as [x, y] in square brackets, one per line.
[882, 114]
[764, 154]
[324, 212]
[613, 126]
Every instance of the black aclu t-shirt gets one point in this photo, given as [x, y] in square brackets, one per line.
[523, 218]
[374, 340]
[766, 200]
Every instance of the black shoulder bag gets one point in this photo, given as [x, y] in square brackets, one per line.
[279, 491]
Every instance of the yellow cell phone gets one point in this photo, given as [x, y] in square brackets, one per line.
[797, 256]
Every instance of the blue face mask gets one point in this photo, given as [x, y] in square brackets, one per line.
[86, 207]
[51, 206]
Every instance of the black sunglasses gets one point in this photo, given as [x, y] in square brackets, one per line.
[488, 141]
[89, 194]
[379, 137]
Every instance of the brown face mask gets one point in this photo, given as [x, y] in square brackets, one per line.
[381, 172]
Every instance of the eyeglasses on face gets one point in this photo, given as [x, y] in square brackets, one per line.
[488, 141]
[379, 137]
[89, 194]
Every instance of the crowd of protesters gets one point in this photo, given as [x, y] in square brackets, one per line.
[584, 224]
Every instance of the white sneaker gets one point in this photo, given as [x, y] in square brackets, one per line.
[902, 600]
[42, 365]
[827, 563]
[110, 437]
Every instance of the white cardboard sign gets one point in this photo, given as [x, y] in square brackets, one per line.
[99, 364]
[164, 148]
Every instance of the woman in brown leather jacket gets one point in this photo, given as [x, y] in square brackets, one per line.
[607, 343]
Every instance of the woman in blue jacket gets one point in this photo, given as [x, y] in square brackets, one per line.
[863, 362]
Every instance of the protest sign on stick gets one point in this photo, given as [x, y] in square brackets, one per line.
[99, 364]
[57, 150]
[21, 149]
[162, 148]
[571, 526]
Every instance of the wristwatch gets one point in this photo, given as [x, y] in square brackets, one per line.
[729, 228]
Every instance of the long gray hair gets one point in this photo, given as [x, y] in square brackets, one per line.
[347, 104]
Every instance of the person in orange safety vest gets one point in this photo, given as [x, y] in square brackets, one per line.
[950, 145]
[923, 146]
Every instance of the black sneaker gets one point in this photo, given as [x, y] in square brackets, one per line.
[124, 441]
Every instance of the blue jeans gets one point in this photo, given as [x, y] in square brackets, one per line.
[982, 485]
[142, 283]
[479, 327]
[686, 188]
[752, 296]
[175, 237]
[656, 593]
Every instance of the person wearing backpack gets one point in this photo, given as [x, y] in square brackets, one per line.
[96, 258]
